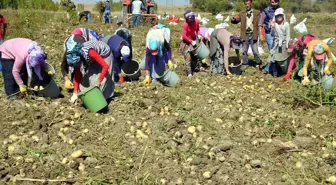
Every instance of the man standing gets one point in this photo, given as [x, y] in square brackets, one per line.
[249, 31]
[137, 6]
[266, 21]
[107, 12]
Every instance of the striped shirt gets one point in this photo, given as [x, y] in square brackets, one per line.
[100, 47]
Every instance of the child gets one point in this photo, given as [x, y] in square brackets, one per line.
[281, 32]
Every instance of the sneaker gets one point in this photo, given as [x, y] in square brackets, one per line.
[202, 69]
[190, 75]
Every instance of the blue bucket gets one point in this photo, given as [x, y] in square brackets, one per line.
[201, 51]
[0, 66]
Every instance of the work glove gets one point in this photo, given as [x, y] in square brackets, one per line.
[121, 78]
[74, 98]
[204, 61]
[147, 80]
[327, 70]
[170, 65]
[305, 81]
[50, 73]
[68, 85]
[287, 77]
[23, 89]
[193, 43]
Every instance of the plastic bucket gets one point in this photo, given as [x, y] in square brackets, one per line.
[131, 70]
[93, 99]
[235, 65]
[327, 81]
[282, 60]
[50, 88]
[201, 51]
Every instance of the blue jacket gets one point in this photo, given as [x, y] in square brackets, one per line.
[107, 7]
[115, 43]
[269, 11]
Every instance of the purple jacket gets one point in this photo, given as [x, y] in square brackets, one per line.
[267, 15]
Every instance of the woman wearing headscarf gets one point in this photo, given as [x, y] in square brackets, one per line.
[121, 53]
[158, 55]
[81, 35]
[91, 64]
[127, 35]
[316, 68]
[190, 36]
[220, 43]
[296, 51]
[15, 54]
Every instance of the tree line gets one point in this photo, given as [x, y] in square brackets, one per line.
[293, 6]
[37, 4]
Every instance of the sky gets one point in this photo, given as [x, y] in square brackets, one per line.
[169, 2]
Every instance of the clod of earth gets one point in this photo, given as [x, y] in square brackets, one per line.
[256, 164]
[224, 146]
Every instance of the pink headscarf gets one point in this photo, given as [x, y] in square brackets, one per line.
[77, 31]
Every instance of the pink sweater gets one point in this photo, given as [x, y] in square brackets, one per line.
[16, 49]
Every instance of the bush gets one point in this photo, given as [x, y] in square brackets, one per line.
[239, 6]
[212, 6]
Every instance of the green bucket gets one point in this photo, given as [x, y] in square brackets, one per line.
[201, 51]
[93, 99]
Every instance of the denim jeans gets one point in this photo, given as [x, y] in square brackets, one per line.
[136, 20]
[254, 45]
[269, 41]
[107, 14]
[11, 87]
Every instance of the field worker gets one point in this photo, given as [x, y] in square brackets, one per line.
[81, 35]
[221, 40]
[3, 27]
[249, 31]
[165, 29]
[281, 32]
[85, 14]
[266, 19]
[190, 36]
[296, 50]
[158, 55]
[166, 35]
[107, 12]
[18, 56]
[137, 7]
[121, 53]
[91, 64]
[317, 50]
[127, 35]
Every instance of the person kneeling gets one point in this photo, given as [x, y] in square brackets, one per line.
[91, 63]
[158, 55]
